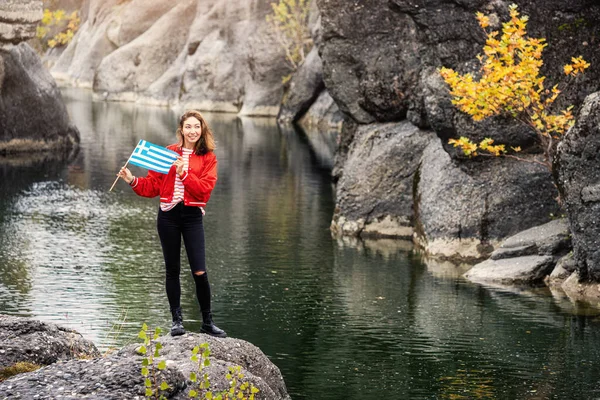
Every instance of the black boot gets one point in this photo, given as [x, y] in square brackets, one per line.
[209, 327]
[177, 326]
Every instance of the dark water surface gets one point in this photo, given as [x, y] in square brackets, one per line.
[341, 321]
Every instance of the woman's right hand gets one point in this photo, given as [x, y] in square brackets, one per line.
[126, 175]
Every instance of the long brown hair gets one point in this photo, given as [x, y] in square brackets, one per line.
[206, 143]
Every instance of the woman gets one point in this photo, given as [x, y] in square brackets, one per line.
[184, 191]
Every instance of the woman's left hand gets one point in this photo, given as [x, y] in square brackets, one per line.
[179, 165]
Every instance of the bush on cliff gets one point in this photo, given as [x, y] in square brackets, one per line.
[510, 84]
[289, 22]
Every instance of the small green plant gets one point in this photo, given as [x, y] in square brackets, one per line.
[200, 356]
[57, 28]
[289, 21]
[18, 368]
[150, 370]
[238, 388]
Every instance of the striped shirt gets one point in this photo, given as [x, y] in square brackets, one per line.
[179, 188]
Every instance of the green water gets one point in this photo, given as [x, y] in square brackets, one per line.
[341, 320]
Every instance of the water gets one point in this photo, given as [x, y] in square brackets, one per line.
[341, 320]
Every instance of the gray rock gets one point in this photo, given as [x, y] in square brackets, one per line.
[117, 375]
[578, 166]
[514, 271]
[465, 209]
[42, 343]
[548, 239]
[375, 192]
[512, 252]
[304, 87]
[323, 115]
[18, 20]
[563, 269]
[30, 99]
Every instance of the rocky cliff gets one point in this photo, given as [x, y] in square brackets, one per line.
[32, 114]
[380, 61]
[213, 55]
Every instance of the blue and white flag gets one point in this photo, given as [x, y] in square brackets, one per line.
[153, 157]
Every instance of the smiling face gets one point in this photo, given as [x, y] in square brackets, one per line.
[192, 131]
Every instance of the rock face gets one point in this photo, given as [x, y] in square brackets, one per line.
[380, 64]
[527, 257]
[380, 57]
[578, 165]
[466, 208]
[28, 340]
[117, 375]
[32, 114]
[375, 190]
[18, 20]
[214, 55]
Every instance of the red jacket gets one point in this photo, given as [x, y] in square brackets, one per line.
[198, 181]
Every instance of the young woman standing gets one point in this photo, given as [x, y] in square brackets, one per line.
[183, 192]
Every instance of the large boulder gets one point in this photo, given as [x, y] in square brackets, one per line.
[33, 116]
[42, 343]
[375, 191]
[117, 375]
[578, 168]
[464, 209]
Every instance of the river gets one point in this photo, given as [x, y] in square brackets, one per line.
[341, 320]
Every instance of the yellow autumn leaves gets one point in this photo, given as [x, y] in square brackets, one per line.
[59, 20]
[510, 83]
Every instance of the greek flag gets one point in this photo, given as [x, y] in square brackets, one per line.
[153, 157]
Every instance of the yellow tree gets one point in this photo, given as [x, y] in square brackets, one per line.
[289, 21]
[510, 84]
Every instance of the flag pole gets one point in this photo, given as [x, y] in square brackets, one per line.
[115, 182]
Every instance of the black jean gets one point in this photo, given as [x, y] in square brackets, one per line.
[180, 221]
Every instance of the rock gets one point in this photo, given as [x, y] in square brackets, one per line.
[118, 376]
[18, 20]
[323, 115]
[30, 99]
[578, 170]
[514, 271]
[380, 57]
[304, 87]
[581, 291]
[42, 343]
[375, 192]
[547, 239]
[563, 269]
[464, 209]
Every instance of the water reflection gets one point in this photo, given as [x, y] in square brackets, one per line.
[342, 319]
